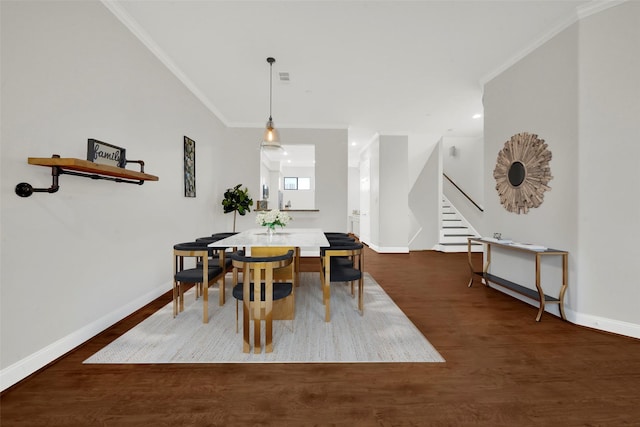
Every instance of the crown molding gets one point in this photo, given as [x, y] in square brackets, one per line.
[568, 21]
[597, 6]
[581, 12]
[128, 21]
[328, 126]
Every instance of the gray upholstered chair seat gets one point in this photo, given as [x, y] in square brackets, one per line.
[194, 275]
[280, 290]
[215, 261]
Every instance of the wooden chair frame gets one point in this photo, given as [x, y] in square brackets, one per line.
[253, 274]
[357, 257]
[178, 292]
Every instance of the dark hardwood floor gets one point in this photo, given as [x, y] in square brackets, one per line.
[502, 369]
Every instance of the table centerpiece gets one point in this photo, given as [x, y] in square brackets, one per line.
[272, 218]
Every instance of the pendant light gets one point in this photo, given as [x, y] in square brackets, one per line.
[271, 138]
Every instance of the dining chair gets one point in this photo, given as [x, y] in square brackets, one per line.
[339, 239]
[330, 234]
[218, 255]
[201, 277]
[343, 261]
[285, 308]
[223, 252]
[258, 276]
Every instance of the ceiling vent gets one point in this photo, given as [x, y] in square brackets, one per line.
[284, 77]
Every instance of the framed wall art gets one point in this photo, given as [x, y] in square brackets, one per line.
[189, 167]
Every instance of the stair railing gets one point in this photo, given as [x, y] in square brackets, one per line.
[463, 193]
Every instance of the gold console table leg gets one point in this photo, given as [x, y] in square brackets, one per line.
[471, 269]
[485, 268]
[539, 288]
[565, 283]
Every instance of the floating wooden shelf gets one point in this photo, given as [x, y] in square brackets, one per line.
[91, 167]
[84, 168]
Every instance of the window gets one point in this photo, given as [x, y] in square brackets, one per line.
[297, 183]
[304, 183]
[290, 183]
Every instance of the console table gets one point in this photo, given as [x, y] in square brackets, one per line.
[535, 294]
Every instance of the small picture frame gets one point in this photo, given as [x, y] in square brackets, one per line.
[106, 154]
[189, 167]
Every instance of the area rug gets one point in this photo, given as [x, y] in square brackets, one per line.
[382, 334]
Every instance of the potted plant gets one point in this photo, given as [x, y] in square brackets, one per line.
[237, 200]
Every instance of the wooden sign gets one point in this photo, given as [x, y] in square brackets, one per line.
[106, 154]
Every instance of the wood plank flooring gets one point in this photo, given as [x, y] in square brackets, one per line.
[502, 369]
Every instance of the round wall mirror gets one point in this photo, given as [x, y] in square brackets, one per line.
[522, 172]
[516, 174]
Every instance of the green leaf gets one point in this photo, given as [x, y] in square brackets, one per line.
[237, 199]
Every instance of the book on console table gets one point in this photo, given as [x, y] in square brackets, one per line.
[494, 240]
[528, 246]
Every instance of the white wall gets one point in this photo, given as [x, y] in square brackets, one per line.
[424, 204]
[388, 196]
[579, 93]
[353, 202]
[300, 199]
[394, 194]
[274, 189]
[421, 147]
[76, 261]
[609, 154]
[373, 153]
[465, 165]
[242, 165]
[537, 95]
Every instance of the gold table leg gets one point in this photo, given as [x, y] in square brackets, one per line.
[471, 269]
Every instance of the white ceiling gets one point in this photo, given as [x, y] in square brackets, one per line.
[386, 67]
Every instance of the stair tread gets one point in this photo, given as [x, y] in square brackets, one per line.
[455, 231]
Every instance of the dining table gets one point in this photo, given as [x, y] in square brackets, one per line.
[298, 238]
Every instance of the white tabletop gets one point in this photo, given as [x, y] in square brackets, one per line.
[296, 237]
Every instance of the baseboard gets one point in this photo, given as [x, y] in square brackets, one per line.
[389, 249]
[594, 322]
[30, 364]
[604, 324]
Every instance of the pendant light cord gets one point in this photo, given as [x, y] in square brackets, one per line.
[270, 61]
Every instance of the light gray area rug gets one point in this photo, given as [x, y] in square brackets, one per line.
[382, 334]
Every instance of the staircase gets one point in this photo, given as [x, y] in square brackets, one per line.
[454, 231]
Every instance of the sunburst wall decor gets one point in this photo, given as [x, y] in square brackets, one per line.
[522, 172]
